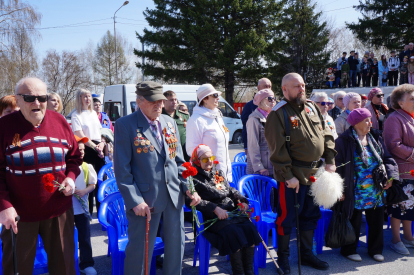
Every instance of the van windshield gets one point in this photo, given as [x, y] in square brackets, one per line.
[113, 110]
[190, 106]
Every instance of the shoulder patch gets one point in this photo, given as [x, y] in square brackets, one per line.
[279, 105]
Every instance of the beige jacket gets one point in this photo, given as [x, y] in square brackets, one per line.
[341, 123]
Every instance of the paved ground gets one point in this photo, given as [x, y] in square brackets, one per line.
[394, 263]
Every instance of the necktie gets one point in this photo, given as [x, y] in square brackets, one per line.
[156, 133]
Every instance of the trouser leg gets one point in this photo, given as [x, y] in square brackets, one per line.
[248, 260]
[84, 239]
[26, 243]
[59, 242]
[236, 262]
[375, 234]
[355, 220]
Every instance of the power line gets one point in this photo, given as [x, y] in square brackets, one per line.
[340, 9]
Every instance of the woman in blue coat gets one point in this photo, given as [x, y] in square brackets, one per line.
[383, 70]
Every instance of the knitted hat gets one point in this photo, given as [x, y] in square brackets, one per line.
[204, 91]
[261, 95]
[373, 92]
[358, 115]
[348, 97]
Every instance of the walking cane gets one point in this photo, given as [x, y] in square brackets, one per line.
[147, 226]
[14, 248]
[297, 230]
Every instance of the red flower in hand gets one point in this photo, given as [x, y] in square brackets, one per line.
[49, 187]
[192, 171]
[240, 206]
[257, 218]
[216, 162]
[312, 179]
[48, 178]
[252, 209]
[186, 173]
[412, 173]
[186, 165]
[250, 214]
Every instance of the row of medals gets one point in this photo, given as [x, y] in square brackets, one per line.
[140, 140]
[171, 140]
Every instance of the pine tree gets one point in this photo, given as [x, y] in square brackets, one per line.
[304, 39]
[221, 42]
[386, 23]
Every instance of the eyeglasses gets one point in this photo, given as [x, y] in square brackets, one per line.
[325, 103]
[271, 99]
[205, 160]
[215, 95]
[32, 98]
[380, 95]
[341, 98]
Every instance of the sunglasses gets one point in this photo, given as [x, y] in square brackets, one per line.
[325, 103]
[215, 95]
[271, 99]
[32, 98]
[205, 160]
[380, 95]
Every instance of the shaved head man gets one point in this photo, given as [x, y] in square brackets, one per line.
[293, 88]
[264, 83]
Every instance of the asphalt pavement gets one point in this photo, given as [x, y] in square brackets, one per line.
[393, 264]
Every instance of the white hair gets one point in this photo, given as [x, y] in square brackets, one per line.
[24, 79]
[338, 94]
[317, 95]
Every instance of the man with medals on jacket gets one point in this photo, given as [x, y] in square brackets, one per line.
[298, 140]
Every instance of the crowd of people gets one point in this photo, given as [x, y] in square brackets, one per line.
[373, 71]
[151, 149]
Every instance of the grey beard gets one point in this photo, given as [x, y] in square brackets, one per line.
[300, 100]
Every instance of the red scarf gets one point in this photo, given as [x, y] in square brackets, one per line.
[384, 108]
[411, 115]
[194, 158]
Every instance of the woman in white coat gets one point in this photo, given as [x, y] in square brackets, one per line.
[206, 126]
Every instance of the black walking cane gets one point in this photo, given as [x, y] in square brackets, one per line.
[14, 248]
[297, 229]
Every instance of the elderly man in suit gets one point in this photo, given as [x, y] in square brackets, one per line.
[148, 166]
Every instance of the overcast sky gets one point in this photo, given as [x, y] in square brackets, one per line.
[96, 17]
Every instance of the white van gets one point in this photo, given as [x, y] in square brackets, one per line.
[120, 100]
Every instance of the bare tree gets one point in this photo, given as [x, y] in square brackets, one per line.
[64, 73]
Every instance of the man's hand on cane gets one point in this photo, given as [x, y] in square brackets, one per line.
[142, 210]
[331, 168]
[293, 183]
[8, 218]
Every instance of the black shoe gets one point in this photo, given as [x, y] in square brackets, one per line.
[159, 260]
[312, 261]
[236, 263]
[248, 260]
[283, 262]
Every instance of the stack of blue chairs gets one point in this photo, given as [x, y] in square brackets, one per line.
[106, 170]
[240, 157]
[238, 170]
[112, 215]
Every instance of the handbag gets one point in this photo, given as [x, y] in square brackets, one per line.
[395, 194]
[379, 176]
[340, 231]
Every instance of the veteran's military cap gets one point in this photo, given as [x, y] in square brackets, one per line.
[150, 90]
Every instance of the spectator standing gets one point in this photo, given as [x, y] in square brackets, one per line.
[85, 123]
[258, 161]
[393, 65]
[410, 68]
[377, 108]
[344, 74]
[371, 57]
[399, 140]
[363, 149]
[351, 101]
[383, 71]
[183, 108]
[339, 105]
[337, 76]
[85, 183]
[37, 142]
[263, 83]
[321, 99]
[102, 116]
[364, 100]
[8, 105]
[341, 61]
[374, 70]
[353, 63]
[181, 118]
[358, 70]
[366, 72]
[410, 51]
[402, 53]
[54, 102]
[404, 70]
[207, 127]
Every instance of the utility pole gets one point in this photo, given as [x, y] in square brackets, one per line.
[143, 62]
[116, 55]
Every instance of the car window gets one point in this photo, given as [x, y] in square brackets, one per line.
[223, 108]
[133, 104]
[113, 109]
[190, 106]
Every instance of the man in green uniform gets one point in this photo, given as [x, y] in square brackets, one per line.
[170, 109]
[298, 121]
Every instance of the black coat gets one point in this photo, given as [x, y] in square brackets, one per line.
[211, 197]
[353, 62]
[346, 145]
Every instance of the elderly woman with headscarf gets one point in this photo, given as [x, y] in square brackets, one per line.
[351, 101]
[236, 236]
[377, 108]
[321, 99]
[362, 150]
[258, 160]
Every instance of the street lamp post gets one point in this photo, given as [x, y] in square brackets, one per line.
[116, 55]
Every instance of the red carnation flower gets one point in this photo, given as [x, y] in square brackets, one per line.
[186, 174]
[48, 178]
[186, 165]
[49, 187]
[250, 214]
[192, 171]
[312, 179]
[240, 206]
[252, 209]
[257, 218]
[216, 162]
[412, 173]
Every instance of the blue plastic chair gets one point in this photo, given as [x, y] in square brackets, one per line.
[238, 170]
[240, 157]
[258, 188]
[321, 228]
[40, 264]
[203, 247]
[112, 215]
[106, 188]
[107, 170]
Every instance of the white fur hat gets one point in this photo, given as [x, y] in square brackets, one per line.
[204, 91]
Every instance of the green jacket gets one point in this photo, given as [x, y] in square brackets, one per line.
[181, 119]
[310, 140]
